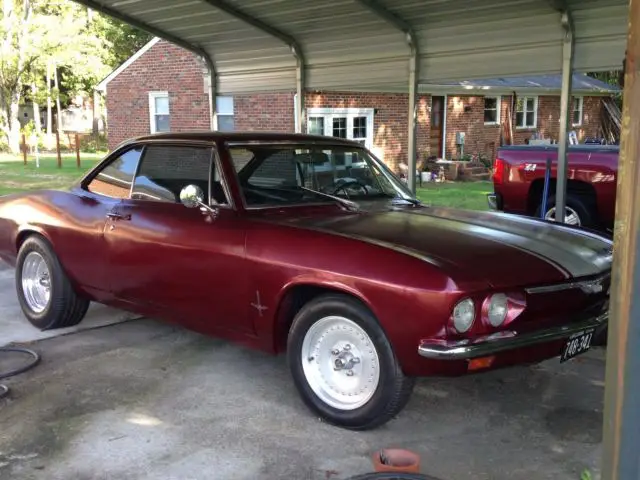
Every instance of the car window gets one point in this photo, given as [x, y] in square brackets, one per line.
[166, 169]
[115, 179]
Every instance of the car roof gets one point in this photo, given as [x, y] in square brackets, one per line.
[244, 136]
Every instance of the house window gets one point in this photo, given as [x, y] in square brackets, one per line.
[159, 112]
[527, 112]
[224, 109]
[349, 123]
[577, 104]
[491, 110]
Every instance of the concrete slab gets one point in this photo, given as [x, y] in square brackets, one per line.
[146, 400]
[14, 328]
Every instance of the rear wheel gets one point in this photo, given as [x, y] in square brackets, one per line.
[578, 211]
[343, 365]
[46, 295]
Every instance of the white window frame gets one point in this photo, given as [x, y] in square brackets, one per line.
[581, 109]
[524, 116]
[498, 106]
[224, 112]
[152, 108]
[350, 113]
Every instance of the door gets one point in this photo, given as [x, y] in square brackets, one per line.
[437, 125]
[177, 259]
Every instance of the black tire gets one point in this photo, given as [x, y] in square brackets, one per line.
[585, 211]
[394, 388]
[65, 307]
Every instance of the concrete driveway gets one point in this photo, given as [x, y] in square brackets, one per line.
[147, 400]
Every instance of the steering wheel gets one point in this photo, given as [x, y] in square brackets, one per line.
[349, 183]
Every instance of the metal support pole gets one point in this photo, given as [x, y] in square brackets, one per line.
[213, 93]
[622, 390]
[565, 104]
[300, 83]
[414, 75]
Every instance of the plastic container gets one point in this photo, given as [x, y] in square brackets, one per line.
[396, 460]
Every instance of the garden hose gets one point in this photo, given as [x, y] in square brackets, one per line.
[35, 359]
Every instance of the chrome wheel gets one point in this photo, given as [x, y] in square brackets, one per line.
[571, 217]
[340, 363]
[36, 282]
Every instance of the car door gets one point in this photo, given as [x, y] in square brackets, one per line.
[83, 252]
[177, 259]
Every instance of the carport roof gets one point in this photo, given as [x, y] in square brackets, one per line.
[349, 47]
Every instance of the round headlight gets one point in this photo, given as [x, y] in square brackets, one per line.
[463, 315]
[498, 307]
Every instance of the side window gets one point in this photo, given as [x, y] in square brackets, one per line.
[115, 179]
[166, 169]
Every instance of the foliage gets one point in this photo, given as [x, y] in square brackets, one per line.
[586, 475]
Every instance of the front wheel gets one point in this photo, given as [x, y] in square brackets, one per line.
[578, 212]
[343, 365]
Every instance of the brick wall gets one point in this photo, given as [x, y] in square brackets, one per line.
[164, 67]
[481, 138]
[264, 112]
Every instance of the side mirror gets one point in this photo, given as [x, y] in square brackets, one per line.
[192, 196]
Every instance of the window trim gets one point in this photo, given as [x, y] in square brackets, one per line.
[350, 113]
[524, 117]
[581, 110]
[152, 107]
[498, 109]
[93, 173]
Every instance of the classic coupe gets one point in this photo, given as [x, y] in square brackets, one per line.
[307, 245]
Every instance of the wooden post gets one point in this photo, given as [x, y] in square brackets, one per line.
[24, 148]
[622, 386]
[77, 150]
[58, 148]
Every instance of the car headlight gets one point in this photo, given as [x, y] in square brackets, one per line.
[464, 313]
[498, 309]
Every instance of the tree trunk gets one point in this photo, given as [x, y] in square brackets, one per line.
[13, 132]
[36, 109]
[49, 125]
[55, 84]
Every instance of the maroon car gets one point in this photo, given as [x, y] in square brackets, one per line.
[308, 245]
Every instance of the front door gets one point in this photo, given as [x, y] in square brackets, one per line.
[173, 258]
[437, 125]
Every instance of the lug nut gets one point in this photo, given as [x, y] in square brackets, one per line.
[347, 347]
[349, 373]
[335, 351]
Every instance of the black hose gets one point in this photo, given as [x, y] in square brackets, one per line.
[35, 359]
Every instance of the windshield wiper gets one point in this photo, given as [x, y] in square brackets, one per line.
[351, 206]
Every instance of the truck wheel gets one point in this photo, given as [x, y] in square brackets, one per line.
[578, 212]
[343, 365]
[46, 295]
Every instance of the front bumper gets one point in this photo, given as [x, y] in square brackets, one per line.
[504, 341]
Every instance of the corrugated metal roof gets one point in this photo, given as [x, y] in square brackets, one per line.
[347, 47]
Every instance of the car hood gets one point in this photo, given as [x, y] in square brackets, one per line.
[477, 248]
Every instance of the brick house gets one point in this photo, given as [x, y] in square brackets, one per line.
[164, 87]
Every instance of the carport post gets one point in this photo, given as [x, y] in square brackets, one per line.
[622, 390]
[565, 104]
[414, 66]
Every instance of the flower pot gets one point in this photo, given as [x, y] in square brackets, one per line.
[396, 460]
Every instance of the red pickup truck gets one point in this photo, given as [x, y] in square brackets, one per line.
[518, 180]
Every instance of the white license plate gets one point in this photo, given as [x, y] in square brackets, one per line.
[577, 344]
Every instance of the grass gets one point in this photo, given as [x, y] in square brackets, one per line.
[468, 195]
[17, 177]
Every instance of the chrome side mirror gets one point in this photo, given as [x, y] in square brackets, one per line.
[192, 196]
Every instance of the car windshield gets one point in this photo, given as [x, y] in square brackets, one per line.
[285, 174]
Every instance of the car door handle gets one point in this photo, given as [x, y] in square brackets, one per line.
[118, 216]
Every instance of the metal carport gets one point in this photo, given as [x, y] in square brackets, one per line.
[394, 45]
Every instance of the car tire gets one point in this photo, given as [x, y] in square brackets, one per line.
[585, 212]
[327, 336]
[46, 295]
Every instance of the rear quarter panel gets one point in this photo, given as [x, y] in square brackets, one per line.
[411, 298]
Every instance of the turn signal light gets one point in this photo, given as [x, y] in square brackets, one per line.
[480, 363]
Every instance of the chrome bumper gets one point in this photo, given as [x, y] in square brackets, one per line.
[503, 341]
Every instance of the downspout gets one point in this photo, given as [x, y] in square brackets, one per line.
[213, 104]
[565, 103]
[291, 42]
[414, 66]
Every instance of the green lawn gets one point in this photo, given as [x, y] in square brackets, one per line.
[17, 177]
[469, 195]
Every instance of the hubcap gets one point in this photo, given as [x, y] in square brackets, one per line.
[571, 217]
[36, 282]
[340, 363]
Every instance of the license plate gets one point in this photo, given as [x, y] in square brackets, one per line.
[577, 344]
